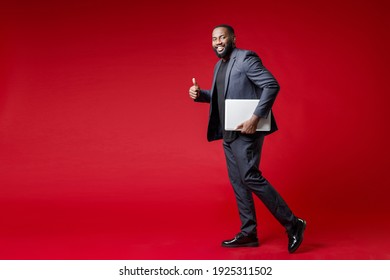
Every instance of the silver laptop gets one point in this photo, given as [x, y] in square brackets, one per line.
[239, 110]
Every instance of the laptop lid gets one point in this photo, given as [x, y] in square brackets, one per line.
[238, 111]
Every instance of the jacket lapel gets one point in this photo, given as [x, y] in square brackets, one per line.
[229, 69]
[215, 77]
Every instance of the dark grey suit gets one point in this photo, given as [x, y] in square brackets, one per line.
[247, 78]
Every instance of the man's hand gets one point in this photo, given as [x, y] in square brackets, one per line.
[249, 126]
[194, 90]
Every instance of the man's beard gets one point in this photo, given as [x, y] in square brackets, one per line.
[227, 51]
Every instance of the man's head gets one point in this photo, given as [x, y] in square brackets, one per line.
[223, 40]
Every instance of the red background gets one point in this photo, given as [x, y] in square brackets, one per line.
[104, 156]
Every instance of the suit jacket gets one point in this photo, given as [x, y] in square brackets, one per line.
[246, 78]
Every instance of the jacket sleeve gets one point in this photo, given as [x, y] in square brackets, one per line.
[262, 78]
[204, 96]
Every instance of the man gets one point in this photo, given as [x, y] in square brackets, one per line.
[239, 74]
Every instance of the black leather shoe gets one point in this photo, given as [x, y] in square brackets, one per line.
[295, 236]
[241, 241]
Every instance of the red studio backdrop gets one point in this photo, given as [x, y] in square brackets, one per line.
[104, 156]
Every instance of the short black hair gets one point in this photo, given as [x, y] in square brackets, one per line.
[228, 27]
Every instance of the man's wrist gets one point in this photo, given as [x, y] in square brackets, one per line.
[255, 119]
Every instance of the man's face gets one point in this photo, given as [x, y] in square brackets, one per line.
[223, 42]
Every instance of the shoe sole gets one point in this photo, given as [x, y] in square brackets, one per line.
[299, 244]
[252, 244]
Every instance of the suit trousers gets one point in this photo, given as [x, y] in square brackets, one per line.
[243, 160]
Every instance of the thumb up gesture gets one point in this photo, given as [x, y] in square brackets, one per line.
[194, 90]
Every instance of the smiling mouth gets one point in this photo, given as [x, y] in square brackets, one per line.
[220, 49]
